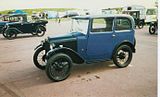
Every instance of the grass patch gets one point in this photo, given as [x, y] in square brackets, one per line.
[29, 11]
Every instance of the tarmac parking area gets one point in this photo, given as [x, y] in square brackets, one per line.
[20, 78]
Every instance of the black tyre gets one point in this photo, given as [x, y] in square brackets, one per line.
[152, 29]
[58, 67]
[122, 56]
[40, 31]
[140, 25]
[39, 58]
[10, 34]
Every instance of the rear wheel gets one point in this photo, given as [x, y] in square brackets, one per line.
[39, 58]
[58, 67]
[122, 56]
[152, 29]
[10, 34]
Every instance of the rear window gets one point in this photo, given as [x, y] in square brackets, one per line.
[123, 24]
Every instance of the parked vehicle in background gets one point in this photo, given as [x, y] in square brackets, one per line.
[109, 11]
[153, 27]
[151, 15]
[8, 19]
[23, 26]
[35, 15]
[138, 13]
[71, 13]
[92, 39]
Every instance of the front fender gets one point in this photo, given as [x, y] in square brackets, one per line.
[76, 58]
[54, 51]
[37, 47]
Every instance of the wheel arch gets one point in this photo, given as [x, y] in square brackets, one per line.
[40, 25]
[76, 58]
[125, 43]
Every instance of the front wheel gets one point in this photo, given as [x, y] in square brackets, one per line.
[122, 56]
[40, 31]
[58, 67]
[152, 29]
[39, 58]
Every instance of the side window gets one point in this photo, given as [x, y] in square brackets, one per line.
[102, 25]
[122, 24]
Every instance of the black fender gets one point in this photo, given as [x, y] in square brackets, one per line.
[126, 42]
[37, 46]
[43, 26]
[76, 58]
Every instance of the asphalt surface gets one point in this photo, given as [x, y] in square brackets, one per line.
[20, 78]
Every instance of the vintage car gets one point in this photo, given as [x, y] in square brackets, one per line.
[92, 39]
[153, 27]
[22, 26]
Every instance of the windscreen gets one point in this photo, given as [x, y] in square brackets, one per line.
[80, 25]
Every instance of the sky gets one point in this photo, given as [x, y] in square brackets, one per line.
[82, 4]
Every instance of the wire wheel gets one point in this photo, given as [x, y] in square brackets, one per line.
[58, 67]
[39, 58]
[123, 56]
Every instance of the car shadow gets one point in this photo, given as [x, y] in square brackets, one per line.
[37, 77]
[82, 69]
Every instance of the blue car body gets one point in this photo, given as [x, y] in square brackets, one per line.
[93, 47]
[92, 39]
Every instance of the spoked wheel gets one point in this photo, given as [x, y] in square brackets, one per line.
[58, 67]
[39, 58]
[122, 56]
[152, 29]
[40, 31]
[10, 34]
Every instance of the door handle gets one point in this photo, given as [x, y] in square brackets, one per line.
[113, 35]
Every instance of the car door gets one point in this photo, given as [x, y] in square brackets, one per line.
[26, 27]
[123, 30]
[100, 39]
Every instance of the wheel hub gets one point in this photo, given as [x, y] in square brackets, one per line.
[59, 66]
[122, 55]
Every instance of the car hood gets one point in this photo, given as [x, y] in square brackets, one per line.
[65, 37]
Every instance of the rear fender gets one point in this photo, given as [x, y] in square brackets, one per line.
[125, 43]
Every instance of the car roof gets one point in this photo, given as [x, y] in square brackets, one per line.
[101, 16]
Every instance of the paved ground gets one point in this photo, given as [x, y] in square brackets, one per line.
[20, 78]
